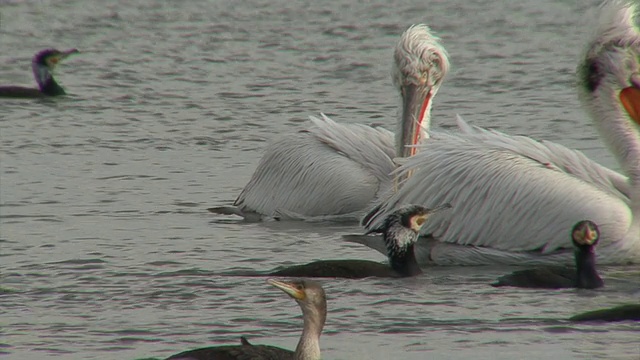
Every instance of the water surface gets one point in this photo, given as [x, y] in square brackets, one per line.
[108, 252]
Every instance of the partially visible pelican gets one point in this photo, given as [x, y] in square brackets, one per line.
[514, 199]
[43, 65]
[336, 171]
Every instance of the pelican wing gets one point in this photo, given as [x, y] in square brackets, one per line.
[509, 193]
[327, 169]
[552, 155]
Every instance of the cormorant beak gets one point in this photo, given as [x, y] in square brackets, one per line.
[590, 235]
[444, 206]
[52, 61]
[630, 99]
[418, 220]
[291, 288]
[416, 102]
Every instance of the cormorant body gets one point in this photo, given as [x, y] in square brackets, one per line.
[400, 232]
[618, 313]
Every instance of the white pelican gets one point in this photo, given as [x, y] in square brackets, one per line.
[515, 199]
[336, 171]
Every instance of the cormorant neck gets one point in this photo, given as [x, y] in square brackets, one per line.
[405, 262]
[400, 243]
[587, 275]
[46, 82]
[52, 88]
[309, 345]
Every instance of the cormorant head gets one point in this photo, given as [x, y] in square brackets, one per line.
[402, 226]
[309, 295]
[49, 58]
[303, 291]
[44, 63]
[585, 235]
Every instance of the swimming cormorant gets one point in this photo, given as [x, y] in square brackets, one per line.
[617, 313]
[43, 65]
[312, 300]
[584, 236]
[400, 233]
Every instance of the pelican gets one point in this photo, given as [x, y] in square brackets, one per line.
[514, 199]
[333, 171]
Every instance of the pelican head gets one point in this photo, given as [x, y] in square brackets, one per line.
[609, 82]
[43, 65]
[420, 65]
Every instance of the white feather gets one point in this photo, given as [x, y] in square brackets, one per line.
[516, 199]
[333, 171]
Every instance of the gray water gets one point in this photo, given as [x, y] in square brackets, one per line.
[107, 251]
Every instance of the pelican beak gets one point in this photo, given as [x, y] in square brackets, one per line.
[630, 99]
[416, 102]
[291, 288]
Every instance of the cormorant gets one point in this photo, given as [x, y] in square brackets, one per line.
[312, 300]
[584, 236]
[617, 313]
[43, 65]
[400, 233]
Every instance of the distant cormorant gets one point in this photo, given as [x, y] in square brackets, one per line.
[618, 313]
[43, 65]
[584, 236]
[312, 300]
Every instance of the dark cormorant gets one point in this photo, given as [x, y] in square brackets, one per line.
[312, 300]
[400, 233]
[584, 236]
[43, 65]
[618, 313]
